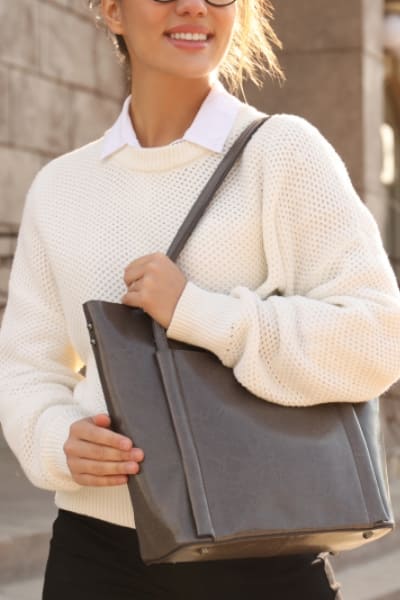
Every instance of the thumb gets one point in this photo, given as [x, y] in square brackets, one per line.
[101, 420]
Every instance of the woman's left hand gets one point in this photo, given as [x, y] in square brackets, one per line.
[154, 283]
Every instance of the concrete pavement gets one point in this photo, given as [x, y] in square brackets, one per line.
[377, 579]
[30, 589]
[26, 515]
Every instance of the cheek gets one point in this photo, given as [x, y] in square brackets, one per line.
[140, 44]
[225, 37]
[142, 27]
[226, 26]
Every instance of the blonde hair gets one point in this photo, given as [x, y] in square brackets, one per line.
[251, 52]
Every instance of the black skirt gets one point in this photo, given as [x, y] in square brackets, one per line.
[94, 560]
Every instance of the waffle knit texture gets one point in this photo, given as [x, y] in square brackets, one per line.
[288, 284]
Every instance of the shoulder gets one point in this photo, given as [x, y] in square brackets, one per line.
[62, 182]
[61, 177]
[291, 153]
[288, 141]
[282, 123]
[294, 134]
[71, 164]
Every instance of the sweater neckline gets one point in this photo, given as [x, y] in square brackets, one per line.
[179, 154]
[161, 158]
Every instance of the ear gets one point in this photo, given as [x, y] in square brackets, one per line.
[112, 15]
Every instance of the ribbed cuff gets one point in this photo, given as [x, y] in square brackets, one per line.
[207, 319]
[53, 434]
[111, 503]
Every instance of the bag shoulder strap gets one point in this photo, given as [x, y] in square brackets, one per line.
[211, 187]
[199, 207]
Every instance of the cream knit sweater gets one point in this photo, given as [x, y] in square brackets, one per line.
[288, 284]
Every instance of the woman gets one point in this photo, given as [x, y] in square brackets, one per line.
[97, 223]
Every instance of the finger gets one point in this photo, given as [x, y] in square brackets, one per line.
[86, 430]
[93, 481]
[134, 271]
[99, 468]
[132, 298]
[137, 268]
[134, 286]
[101, 420]
[91, 451]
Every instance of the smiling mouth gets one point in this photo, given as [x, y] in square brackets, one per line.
[190, 37]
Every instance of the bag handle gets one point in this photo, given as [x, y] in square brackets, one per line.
[211, 187]
[199, 207]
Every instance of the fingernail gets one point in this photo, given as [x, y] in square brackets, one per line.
[132, 467]
[137, 454]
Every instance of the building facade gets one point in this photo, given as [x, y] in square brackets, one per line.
[60, 87]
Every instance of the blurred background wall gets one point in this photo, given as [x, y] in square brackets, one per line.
[61, 86]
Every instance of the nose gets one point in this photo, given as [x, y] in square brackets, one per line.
[195, 8]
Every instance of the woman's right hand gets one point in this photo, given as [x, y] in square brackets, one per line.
[97, 456]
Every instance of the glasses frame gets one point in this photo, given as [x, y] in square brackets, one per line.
[216, 4]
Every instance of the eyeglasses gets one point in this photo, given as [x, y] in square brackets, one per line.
[211, 2]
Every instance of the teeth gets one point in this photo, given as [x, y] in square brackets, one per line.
[190, 37]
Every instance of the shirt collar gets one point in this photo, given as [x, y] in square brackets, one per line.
[210, 127]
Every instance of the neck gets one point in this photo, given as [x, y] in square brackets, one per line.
[161, 111]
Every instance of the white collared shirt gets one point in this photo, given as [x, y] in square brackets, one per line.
[209, 129]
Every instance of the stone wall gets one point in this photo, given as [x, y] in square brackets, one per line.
[333, 61]
[60, 87]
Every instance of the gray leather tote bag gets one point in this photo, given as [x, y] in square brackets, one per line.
[226, 474]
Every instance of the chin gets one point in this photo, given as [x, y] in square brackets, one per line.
[199, 73]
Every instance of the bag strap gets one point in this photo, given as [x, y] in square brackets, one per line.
[199, 207]
[211, 188]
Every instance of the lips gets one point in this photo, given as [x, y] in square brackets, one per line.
[189, 29]
[189, 37]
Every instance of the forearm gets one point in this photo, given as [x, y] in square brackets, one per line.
[324, 325]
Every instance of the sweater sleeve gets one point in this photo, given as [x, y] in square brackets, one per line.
[37, 361]
[329, 330]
